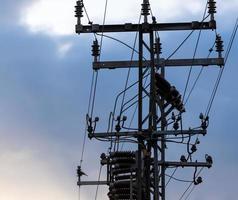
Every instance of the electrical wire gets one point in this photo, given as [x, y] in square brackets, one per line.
[120, 41]
[189, 194]
[231, 40]
[95, 86]
[90, 96]
[191, 67]
[89, 21]
[180, 180]
[198, 76]
[195, 52]
[222, 68]
[85, 130]
[101, 44]
[85, 10]
[79, 194]
[189, 70]
[99, 177]
[123, 93]
[200, 171]
[171, 176]
[129, 70]
[181, 44]
[174, 138]
[129, 87]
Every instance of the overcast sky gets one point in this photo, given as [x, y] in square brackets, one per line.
[45, 73]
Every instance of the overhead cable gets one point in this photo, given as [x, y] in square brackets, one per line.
[222, 68]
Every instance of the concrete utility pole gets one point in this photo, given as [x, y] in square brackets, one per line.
[141, 174]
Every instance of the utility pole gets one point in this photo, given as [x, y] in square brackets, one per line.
[141, 174]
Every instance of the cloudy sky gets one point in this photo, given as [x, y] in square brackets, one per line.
[45, 73]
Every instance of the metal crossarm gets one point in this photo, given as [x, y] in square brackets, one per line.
[162, 62]
[185, 164]
[136, 134]
[128, 27]
[84, 183]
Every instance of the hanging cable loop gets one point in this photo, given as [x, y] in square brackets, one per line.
[197, 179]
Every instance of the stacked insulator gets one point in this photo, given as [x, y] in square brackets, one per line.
[219, 45]
[123, 171]
[95, 49]
[168, 92]
[211, 7]
[145, 8]
[157, 46]
[79, 9]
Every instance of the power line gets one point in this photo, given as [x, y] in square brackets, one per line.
[176, 179]
[195, 52]
[99, 177]
[120, 41]
[191, 191]
[198, 76]
[222, 68]
[95, 86]
[90, 95]
[190, 184]
[171, 176]
[129, 70]
[92, 87]
[101, 44]
[190, 67]
[180, 45]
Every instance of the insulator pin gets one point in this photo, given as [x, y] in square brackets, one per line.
[211, 7]
[209, 159]
[183, 158]
[95, 49]
[219, 45]
[157, 46]
[145, 8]
[194, 148]
[79, 9]
[176, 126]
[198, 181]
